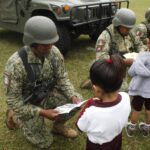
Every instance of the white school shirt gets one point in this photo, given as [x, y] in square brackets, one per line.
[103, 124]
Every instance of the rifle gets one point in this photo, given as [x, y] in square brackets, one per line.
[40, 91]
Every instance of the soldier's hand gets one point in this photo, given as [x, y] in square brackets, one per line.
[49, 113]
[75, 100]
[128, 61]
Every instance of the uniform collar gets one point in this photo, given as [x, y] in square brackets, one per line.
[32, 58]
[100, 103]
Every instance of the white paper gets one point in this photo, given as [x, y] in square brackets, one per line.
[132, 55]
[68, 107]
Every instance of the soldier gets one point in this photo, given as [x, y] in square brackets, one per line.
[117, 38]
[27, 72]
[143, 29]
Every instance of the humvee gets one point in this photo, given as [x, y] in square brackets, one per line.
[72, 17]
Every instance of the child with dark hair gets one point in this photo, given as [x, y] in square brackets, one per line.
[104, 117]
[139, 90]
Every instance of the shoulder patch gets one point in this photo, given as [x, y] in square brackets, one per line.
[138, 33]
[100, 46]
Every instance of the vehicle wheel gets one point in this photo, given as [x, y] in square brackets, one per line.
[94, 36]
[74, 35]
[98, 30]
[64, 43]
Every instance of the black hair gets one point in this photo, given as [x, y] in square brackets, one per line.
[108, 74]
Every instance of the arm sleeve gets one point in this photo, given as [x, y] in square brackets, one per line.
[139, 68]
[138, 45]
[80, 121]
[102, 45]
[63, 82]
[141, 32]
[14, 98]
[83, 123]
[131, 71]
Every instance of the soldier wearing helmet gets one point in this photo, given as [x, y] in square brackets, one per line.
[117, 38]
[142, 30]
[38, 65]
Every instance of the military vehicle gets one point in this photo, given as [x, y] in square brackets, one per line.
[72, 17]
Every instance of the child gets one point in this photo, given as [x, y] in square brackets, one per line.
[139, 88]
[104, 117]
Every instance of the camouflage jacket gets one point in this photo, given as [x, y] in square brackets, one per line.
[125, 44]
[141, 31]
[18, 85]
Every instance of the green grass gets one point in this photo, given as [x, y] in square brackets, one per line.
[77, 63]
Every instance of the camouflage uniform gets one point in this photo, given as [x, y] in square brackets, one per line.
[141, 31]
[125, 44]
[18, 86]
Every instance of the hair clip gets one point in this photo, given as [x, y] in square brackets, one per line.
[109, 60]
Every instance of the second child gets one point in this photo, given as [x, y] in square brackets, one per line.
[139, 90]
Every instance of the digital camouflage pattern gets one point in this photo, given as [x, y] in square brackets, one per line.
[18, 86]
[122, 44]
[130, 43]
[141, 30]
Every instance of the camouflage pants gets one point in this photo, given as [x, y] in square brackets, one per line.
[36, 132]
[35, 129]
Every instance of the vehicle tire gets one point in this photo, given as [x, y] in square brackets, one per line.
[74, 35]
[94, 36]
[64, 43]
[98, 30]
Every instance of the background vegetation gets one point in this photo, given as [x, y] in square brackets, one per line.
[77, 63]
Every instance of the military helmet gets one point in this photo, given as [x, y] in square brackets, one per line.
[40, 30]
[147, 15]
[124, 17]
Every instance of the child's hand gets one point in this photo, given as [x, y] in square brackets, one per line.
[128, 61]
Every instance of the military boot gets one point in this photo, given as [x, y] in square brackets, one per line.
[60, 128]
[11, 122]
[86, 84]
